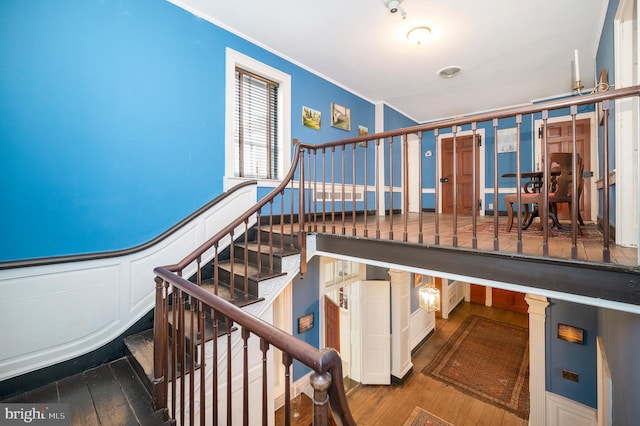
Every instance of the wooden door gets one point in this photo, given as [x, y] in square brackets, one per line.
[510, 300]
[331, 324]
[464, 156]
[477, 294]
[560, 139]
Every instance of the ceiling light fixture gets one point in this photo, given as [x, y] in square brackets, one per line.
[419, 35]
[450, 72]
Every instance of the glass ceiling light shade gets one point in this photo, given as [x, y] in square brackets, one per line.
[429, 298]
[419, 35]
[450, 72]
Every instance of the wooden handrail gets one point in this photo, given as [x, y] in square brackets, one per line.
[321, 361]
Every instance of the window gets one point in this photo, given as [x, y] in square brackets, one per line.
[257, 124]
[256, 127]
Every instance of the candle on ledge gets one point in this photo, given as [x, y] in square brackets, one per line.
[576, 63]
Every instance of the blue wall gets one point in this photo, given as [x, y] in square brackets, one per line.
[112, 121]
[573, 357]
[306, 292]
[620, 333]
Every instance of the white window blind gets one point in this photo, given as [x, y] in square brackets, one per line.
[256, 151]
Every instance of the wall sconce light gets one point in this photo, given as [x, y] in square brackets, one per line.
[429, 298]
[419, 35]
[576, 67]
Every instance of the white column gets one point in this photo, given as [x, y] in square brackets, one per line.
[380, 155]
[537, 366]
[400, 307]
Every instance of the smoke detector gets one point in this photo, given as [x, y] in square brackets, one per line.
[392, 5]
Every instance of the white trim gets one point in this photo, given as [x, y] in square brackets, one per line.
[284, 321]
[605, 403]
[380, 156]
[421, 323]
[593, 151]
[563, 411]
[537, 359]
[236, 59]
[626, 126]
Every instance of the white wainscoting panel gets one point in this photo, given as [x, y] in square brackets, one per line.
[421, 323]
[65, 310]
[563, 411]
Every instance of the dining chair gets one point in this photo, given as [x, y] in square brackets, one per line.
[561, 185]
[527, 198]
[561, 188]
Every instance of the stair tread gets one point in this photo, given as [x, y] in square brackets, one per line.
[277, 251]
[140, 346]
[252, 270]
[224, 292]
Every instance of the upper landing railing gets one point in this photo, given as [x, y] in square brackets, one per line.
[377, 171]
[349, 187]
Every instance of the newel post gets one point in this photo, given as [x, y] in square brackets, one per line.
[159, 352]
[320, 384]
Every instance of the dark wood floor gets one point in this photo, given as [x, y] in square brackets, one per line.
[109, 395]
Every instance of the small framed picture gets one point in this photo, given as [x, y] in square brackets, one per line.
[340, 117]
[570, 334]
[311, 118]
[305, 323]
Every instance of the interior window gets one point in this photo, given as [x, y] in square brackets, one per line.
[256, 150]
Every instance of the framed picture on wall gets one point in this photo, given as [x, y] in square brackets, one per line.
[340, 117]
[570, 334]
[305, 323]
[311, 118]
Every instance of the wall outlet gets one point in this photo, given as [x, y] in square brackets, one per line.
[490, 206]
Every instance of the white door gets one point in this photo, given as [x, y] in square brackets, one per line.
[413, 164]
[375, 298]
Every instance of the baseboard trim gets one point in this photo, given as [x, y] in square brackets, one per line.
[400, 380]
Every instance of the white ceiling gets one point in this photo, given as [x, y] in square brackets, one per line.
[510, 51]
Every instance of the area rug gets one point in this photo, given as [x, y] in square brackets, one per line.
[589, 231]
[488, 360]
[420, 417]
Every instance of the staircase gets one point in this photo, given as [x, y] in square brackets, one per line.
[261, 255]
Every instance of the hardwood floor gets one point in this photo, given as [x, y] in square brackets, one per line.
[111, 394]
[391, 405]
